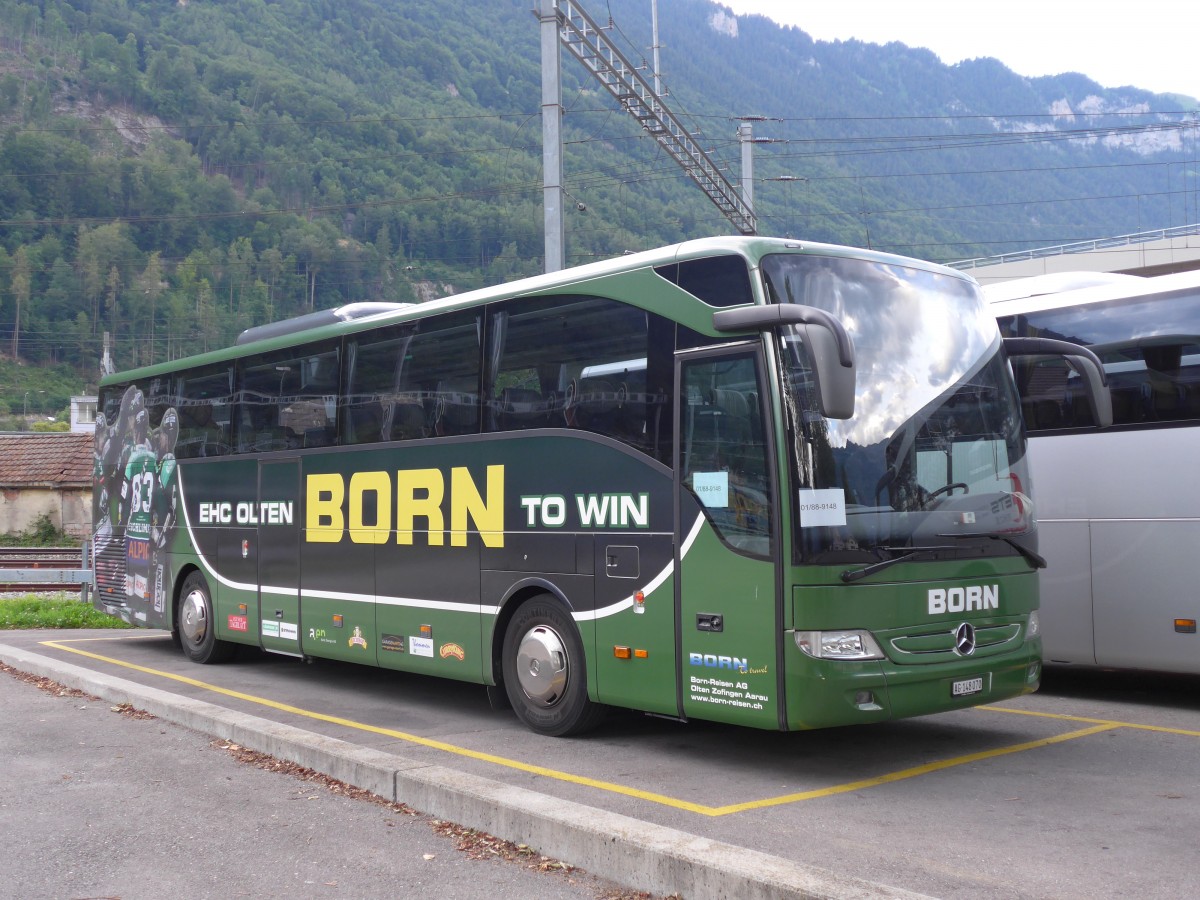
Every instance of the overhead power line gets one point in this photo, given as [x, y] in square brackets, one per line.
[580, 34]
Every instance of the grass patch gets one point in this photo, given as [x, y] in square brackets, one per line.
[42, 533]
[52, 611]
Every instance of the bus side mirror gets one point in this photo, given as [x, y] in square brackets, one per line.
[1079, 358]
[823, 335]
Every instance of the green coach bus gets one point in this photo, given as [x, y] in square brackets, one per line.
[749, 480]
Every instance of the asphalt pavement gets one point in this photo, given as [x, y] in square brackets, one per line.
[96, 801]
[1084, 790]
[165, 811]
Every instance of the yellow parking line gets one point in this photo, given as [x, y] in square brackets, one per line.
[608, 786]
[910, 773]
[1062, 716]
[399, 735]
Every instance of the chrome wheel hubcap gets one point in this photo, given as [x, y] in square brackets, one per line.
[542, 666]
[193, 617]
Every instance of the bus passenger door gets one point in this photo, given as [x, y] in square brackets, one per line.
[277, 515]
[728, 540]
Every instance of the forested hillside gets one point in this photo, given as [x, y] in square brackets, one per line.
[173, 172]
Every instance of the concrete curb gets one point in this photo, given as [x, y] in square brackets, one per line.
[639, 854]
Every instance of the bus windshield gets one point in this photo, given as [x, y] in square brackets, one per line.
[934, 455]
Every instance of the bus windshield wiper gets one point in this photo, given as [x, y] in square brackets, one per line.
[851, 575]
[1035, 559]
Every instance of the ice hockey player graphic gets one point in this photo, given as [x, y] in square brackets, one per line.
[114, 450]
[109, 577]
[163, 502]
[139, 465]
[99, 445]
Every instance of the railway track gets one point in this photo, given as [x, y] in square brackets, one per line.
[24, 559]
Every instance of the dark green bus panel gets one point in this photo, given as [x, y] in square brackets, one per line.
[940, 644]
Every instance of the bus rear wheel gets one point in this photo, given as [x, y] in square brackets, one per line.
[197, 623]
[544, 670]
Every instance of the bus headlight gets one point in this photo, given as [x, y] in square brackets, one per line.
[838, 644]
[1034, 628]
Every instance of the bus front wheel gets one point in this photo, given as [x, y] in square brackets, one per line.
[544, 670]
[197, 623]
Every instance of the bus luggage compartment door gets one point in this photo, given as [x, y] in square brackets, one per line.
[279, 555]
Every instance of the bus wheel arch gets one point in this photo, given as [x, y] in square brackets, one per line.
[518, 594]
[543, 667]
[176, 597]
[195, 621]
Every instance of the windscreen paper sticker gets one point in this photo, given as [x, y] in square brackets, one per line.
[823, 507]
[712, 488]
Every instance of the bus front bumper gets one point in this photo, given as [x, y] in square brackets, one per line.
[824, 693]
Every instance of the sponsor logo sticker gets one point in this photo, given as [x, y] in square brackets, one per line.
[270, 629]
[357, 639]
[448, 650]
[419, 646]
[393, 643]
[288, 631]
[239, 623]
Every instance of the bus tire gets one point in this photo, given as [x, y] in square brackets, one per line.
[197, 623]
[544, 671]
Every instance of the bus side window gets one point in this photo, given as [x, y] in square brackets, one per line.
[413, 381]
[404, 420]
[205, 413]
[1189, 380]
[717, 280]
[456, 407]
[287, 400]
[444, 361]
[365, 422]
[518, 408]
[1149, 348]
[374, 363]
[585, 363]
[723, 450]
[1043, 389]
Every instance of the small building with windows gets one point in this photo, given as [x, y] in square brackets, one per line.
[83, 414]
[46, 473]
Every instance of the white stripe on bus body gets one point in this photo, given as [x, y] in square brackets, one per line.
[416, 603]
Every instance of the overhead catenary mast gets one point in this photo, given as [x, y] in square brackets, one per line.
[654, 47]
[580, 34]
[552, 163]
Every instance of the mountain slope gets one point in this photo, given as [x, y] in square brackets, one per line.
[173, 173]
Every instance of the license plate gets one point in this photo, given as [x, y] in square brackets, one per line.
[966, 686]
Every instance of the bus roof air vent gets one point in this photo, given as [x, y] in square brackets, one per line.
[321, 317]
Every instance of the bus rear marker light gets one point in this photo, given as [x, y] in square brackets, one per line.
[1185, 626]
[621, 652]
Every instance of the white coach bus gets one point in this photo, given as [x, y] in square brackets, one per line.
[1118, 508]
